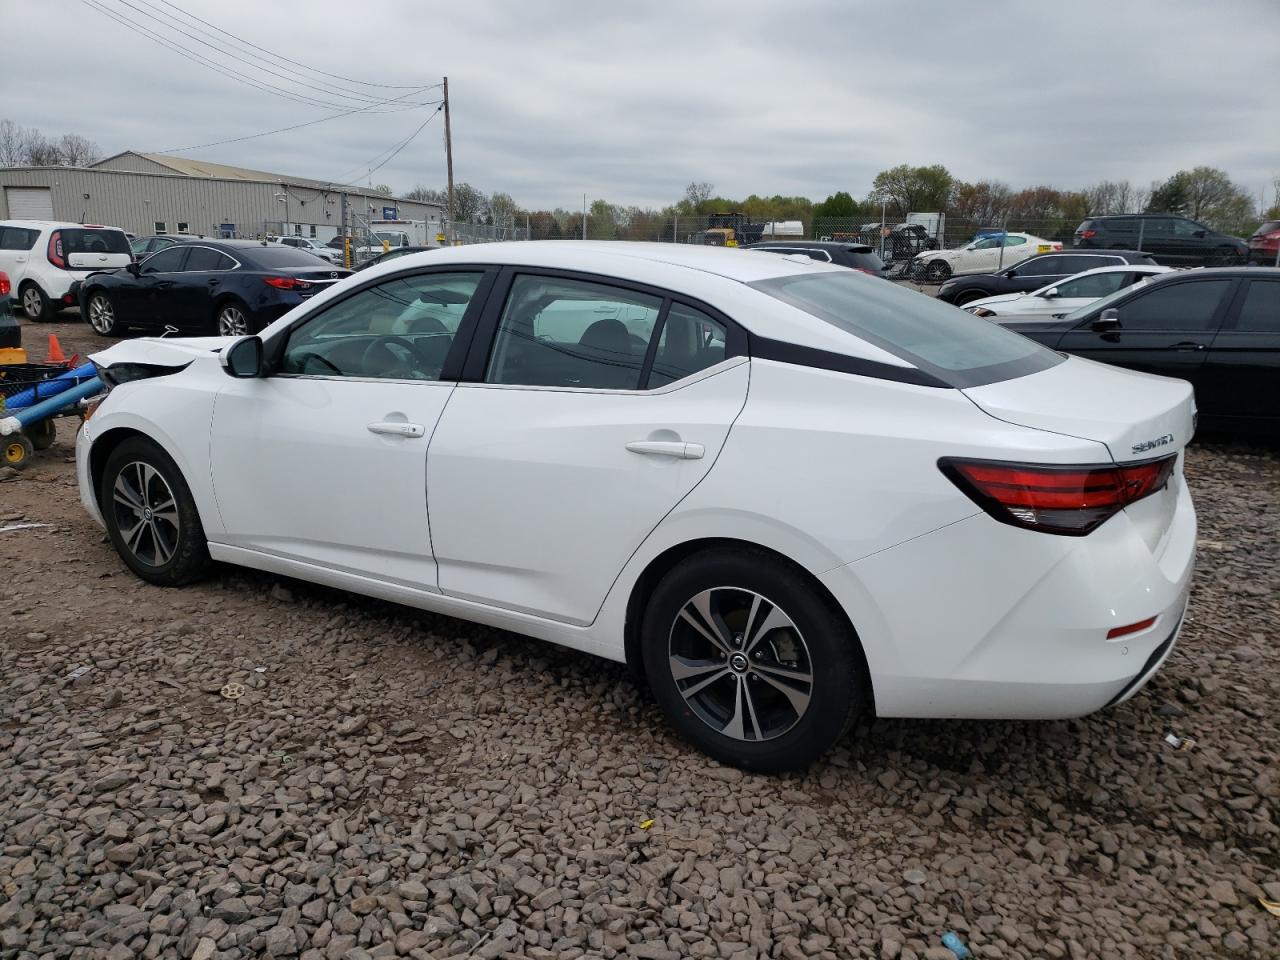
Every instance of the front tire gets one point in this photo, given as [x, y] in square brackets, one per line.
[969, 296]
[35, 304]
[750, 662]
[151, 516]
[938, 271]
[101, 314]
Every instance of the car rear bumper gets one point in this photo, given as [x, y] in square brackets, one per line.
[983, 620]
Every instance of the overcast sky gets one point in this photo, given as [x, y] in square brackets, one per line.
[631, 101]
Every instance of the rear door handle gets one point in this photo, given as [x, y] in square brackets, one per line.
[397, 428]
[667, 448]
[1188, 345]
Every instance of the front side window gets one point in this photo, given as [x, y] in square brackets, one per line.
[572, 333]
[1046, 267]
[166, 261]
[1188, 229]
[935, 337]
[401, 329]
[1175, 306]
[986, 243]
[1157, 227]
[1260, 312]
[1095, 285]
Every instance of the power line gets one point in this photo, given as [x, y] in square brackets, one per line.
[223, 51]
[277, 56]
[268, 133]
[395, 150]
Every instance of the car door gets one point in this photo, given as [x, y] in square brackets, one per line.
[324, 461]
[1165, 328]
[1242, 369]
[195, 289]
[16, 251]
[147, 299]
[1073, 293]
[1156, 238]
[589, 408]
[981, 256]
[1191, 242]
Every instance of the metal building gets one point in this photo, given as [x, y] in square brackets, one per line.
[148, 193]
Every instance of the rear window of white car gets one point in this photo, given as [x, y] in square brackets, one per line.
[89, 240]
[954, 346]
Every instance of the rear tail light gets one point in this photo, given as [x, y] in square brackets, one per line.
[55, 250]
[1138, 627]
[5, 287]
[1086, 234]
[281, 283]
[1071, 501]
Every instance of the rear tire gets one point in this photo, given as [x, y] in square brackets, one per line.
[231, 319]
[16, 451]
[151, 516]
[35, 305]
[100, 311]
[42, 434]
[784, 677]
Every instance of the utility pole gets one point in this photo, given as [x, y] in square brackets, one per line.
[448, 156]
[584, 216]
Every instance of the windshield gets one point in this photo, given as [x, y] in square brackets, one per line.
[1100, 305]
[954, 346]
[1269, 227]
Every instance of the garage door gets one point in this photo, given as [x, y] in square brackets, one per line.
[29, 203]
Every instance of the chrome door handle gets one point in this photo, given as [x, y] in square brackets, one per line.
[397, 428]
[1188, 345]
[667, 448]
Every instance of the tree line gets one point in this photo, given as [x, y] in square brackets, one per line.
[1203, 193]
[28, 147]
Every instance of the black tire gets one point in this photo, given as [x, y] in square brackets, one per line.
[968, 296]
[42, 434]
[768, 733]
[173, 551]
[101, 314]
[1227, 257]
[225, 322]
[16, 451]
[36, 306]
[938, 271]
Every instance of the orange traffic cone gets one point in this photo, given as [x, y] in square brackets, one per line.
[55, 350]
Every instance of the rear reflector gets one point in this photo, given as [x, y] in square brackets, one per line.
[1071, 501]
[1131, 628]
[1086, 233]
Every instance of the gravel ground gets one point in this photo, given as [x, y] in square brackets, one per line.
[397, 784]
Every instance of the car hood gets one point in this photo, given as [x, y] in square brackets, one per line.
[1046, 331]
[938, 254]
[991, 301]
[161, 351]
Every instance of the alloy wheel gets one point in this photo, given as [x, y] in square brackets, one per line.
[102, 315]
[33, 303]
[741, 664]
[232, 323]
[146, 513]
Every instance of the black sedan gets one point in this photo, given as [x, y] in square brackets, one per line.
[1217, 328]
[391, 254]
[223, 287]
[1034, 273]
[856, 256]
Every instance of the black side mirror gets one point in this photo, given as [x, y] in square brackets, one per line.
[1108, 322]
[243, 359]
[134, 267]
[1011, 273]
[1198, 233]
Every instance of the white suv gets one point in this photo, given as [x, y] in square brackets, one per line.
[46, 260]
[310, 246]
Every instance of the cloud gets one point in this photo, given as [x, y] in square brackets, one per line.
[632, 101]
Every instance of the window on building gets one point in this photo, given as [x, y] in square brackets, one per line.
[313, 231]
[184, 227]
[160, 227]
[297, 229]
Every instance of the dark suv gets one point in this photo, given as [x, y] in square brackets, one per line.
[857, 256]
[1218, 329]
[1174, 241]
[1034, 273]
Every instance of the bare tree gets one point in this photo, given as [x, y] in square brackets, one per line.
[13, 144]
[698, 193]
[41, 151]
[77, 151]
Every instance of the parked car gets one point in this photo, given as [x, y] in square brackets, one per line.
[1174, 241]
[1034, 273]
[1061, 297]
[10, 331]
[143, 247]
[1264, 245]
[1217, 328]
[856, 256]
[45, 259]
[981, 256]
[391, 254]
[759, 554]
[205, 286]
[311, 246]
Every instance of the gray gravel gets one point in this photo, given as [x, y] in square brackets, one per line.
[396, 784]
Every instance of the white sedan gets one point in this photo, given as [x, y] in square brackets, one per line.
[1065, 296]
[785, 492]
[984, 255]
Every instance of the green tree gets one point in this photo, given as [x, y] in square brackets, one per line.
[1208, 195]
[907, 189]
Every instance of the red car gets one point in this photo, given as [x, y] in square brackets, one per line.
[1264, 245]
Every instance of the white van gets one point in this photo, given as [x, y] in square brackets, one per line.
[46, 260]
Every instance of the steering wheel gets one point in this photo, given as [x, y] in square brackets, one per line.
[399, 367]
[303, 359]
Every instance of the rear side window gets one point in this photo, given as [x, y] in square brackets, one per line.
[1096, 285]
[1260, 311]
[204, 259]
[571, 333]
[1050, 267]
[94, 241]
[1175, 306]
[17, 238]
[690, 341]
[1118, 225]
[937, 338]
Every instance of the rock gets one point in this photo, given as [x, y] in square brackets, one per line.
[205, 948]
[112, 781]
[1222, 891]
[914, 876]
[232, 910]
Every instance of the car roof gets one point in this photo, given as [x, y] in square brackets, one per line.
[1221, 273]
[849, 246]
[57, 225]
[1127, 268]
